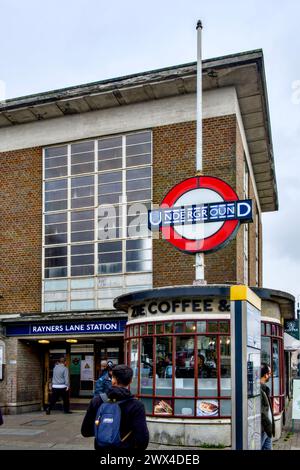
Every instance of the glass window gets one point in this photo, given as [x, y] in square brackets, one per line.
[163, 365]
[275, 368]
[146, 382]
[110, 257]
[134, 365]
[120, 166]
[207, 366]
[225, 365]
[185, 366]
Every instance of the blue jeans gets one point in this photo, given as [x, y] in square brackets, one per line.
[266, 442]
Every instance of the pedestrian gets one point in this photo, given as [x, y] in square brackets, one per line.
[60, 386]
[267, 417]
[133, 427]
[103, 384]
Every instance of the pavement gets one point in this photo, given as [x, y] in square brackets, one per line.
[59, 431]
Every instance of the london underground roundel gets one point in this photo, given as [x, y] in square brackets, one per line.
[200, 214]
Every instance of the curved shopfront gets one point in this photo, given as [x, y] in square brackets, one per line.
[177, 340]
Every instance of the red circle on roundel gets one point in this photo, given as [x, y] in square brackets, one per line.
[218, 239]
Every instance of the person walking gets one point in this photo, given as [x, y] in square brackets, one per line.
[60, 386]
[267, 417]
[103, 384]
[133, 427]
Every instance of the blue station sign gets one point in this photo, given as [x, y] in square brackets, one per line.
[66, 328]
[214, 212]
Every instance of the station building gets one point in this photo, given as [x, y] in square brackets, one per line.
[80, 167]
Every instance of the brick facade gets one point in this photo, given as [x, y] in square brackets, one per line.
[21, 231]
[174, 150]
[21, 388]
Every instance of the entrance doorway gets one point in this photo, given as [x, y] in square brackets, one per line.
[84, 362]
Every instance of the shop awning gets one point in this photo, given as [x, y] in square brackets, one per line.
[290, 343]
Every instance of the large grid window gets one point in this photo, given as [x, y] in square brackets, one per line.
[184, 367]
[96, 197]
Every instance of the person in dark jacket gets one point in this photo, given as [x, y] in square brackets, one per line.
[267, 417]
[133, 417]
[103, 384]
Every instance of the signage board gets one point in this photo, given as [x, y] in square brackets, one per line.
[200, 214]
[292, 328]
[66, 328]
[178, 306]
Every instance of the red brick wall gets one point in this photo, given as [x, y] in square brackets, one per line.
[21, 230]
[22, 381]
[173, 161]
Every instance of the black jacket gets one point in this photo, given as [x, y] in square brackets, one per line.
[267, 424]
[133, 418]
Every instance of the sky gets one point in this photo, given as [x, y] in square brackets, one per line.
[53, 44]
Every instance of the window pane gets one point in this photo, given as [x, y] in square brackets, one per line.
[56, 251]
[55, 151]
[82, 236]
[137, 149]
[225, 365]
[110, 164]
[82, 192]
[55, 185]
[55, 172]
[82, 249]
[56, 161]
[82, 270]
[81, 260]
[61, 217]
[185, 370]
[87, 146]
[138, 173]
[134, 365]
[55, 239]
[54, 262]
[141, 244]
[138, 138]
[184, 407]
[55, 206]
[82, 202]
[55, 272]
[55, 229]
[82, 215]
[110, 177]
[164, 365]
[82, 225]
[147, 366]
[82, 181]
[82, 168]
[275, 366]
[110, 142]
[207, 366]
[144, 159]
[133, 266]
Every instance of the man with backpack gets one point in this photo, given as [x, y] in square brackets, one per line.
[117, 420]
[103, 384]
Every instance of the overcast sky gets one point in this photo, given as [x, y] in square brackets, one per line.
[52, 44]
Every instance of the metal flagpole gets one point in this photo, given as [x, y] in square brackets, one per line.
[199, 274]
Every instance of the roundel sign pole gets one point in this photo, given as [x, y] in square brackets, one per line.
[200, 215]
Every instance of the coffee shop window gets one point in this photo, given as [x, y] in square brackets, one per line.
[182, 368]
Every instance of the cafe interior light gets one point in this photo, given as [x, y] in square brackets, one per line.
[44, 341]
[71, 340]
